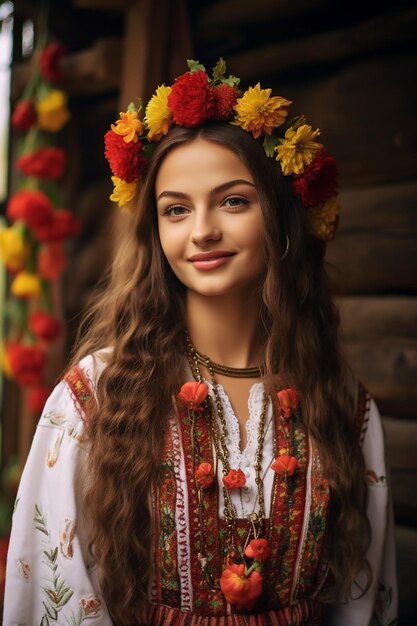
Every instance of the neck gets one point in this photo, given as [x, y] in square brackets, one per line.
[225, 328]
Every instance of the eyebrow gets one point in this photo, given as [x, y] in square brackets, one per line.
[223, 187]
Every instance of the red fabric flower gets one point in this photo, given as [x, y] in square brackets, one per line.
[288, 401]
[258, 549]
[24, 116]
[52, 261]
[225, 99]
[49, 60]
[318, 182]
[192, 394]
[238, 589]
[26, 363]
[44, 326]
[285, 465]
[61, 227]
[37, 397]
[46, 163]
[234, 479]
[191, 100]
[32, 207]
[126, 160]
[204, 474]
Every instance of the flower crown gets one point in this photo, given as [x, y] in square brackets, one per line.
[195, 98]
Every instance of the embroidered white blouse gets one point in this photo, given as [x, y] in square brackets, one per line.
[51, 578]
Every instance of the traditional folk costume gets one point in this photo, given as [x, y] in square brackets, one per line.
[51, 578]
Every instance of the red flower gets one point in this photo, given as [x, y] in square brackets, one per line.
[26, 363]
[49, 62]
[318, 182]
[191, 100]
[288, 401]
[37, 397]
[204, 474]
[258, 549]
[225, 99]
[52, 261]
[44, 326]
[4, 546]
[125, 159]
[285, 465]
[46, 163]
[192, 394]
[234, 479]
[238, 589]
[24, 116]
[32, 207]
[62, 226]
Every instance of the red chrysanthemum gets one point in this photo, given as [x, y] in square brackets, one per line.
[26, 363]
[61, 227]
[37, 397]
[49, 62]
[191, 100]
[318, 182]
[126, 160]
[44, 326]
[48, 163]
[24, 116]
[225, 99]
[31, 206]
[52, 261]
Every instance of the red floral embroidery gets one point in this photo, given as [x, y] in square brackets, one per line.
[285, 465]
[192, 394]
[234, 479]
[240, 589]
[204, 474]
[288, 401]
[258, 549]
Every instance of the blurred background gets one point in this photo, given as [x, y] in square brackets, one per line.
[350, 67]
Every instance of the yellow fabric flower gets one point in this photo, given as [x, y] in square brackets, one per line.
[257, 111]
[52, 111]
[323, 219]
[26, 285]
[128, 126]
[297, 149]
[123, 192]
[13, 249]
[158, 117]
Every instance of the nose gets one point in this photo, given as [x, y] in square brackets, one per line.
[205, 228]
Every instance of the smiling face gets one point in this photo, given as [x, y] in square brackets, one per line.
[209, 219]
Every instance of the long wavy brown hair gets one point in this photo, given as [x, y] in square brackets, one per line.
[140, 313]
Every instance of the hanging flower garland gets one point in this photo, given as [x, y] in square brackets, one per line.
[32, 245]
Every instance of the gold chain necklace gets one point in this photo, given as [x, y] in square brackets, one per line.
[233, 372]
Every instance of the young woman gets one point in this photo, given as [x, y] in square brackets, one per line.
[205, 462]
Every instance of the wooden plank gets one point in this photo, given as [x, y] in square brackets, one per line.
[375, 316]
[401, 443]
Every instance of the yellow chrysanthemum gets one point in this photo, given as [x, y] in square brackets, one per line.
[26, 285]
[123, 192]
[297, 149]
[52, 111]
[158, 117]
[13, 249]
[257, 111]
[323, 219]
[128, 126]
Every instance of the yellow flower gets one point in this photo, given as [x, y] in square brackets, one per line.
[5, 363]
[123, 192]
[128, 126]
[13, 249]
[297, 149]
[158, 117]
[26, 285]
[52, 111]
[257, 111]
[323, 219]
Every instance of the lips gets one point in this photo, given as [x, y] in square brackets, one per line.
[212, 260]
[213, 254]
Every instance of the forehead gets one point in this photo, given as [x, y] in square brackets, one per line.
[199, 162]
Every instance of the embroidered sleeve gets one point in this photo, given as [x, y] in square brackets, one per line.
[50, 576]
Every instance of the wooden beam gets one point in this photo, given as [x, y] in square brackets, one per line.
[377, 316]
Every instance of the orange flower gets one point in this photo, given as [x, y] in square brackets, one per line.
[285, 465]
[258, 549]
[288, 401]
[234, 479]
[238, 589]
[204, 474]
[192, 394]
